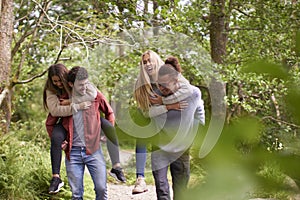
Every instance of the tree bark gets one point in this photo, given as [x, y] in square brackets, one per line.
[218, 36]
[218, 40]
[6, 31]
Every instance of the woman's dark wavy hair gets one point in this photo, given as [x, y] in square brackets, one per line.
[174, 62]
[61, 71]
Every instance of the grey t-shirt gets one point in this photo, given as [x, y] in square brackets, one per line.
[78, 132]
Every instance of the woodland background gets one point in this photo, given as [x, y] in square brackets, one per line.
[245, 52]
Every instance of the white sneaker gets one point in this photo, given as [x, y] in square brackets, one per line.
[140, 186]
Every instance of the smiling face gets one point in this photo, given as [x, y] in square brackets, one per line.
[80, 86]
[167, 84]
[57, 82]
[148, 65]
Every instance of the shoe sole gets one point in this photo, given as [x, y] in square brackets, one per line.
[115, 177]
[58, 188]
[139, 192]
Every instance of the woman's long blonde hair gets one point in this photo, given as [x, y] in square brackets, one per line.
[143, 88]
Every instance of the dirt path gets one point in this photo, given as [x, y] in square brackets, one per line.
[123, 192]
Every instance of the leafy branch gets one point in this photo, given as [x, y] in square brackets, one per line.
[281, 121]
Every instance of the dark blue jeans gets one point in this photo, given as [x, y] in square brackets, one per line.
[75, 172]
[180, 172]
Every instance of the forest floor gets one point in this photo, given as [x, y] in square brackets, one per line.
[123, 192]
[119, 191]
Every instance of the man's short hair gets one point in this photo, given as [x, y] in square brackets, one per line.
[167, 69]
[77, 73]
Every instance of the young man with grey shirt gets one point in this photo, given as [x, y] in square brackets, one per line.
[177, 128]
[84, 139]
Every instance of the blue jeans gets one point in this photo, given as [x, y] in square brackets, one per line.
[140, 157]
[180, 173]
[75, 172]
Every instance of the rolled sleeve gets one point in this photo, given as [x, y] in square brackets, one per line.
[54, 106]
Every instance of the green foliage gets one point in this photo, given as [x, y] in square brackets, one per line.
[298, 43]
[227, 171]
[24, 169]
[232, 171]
[256, 21]
[260, 88]
[88, 33]
[112, 73]
[25, 165]
[273, 172]
[28, 103]
[272, 182]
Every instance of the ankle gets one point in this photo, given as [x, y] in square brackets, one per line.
[117, 165]
[55, 175]
[140, 176]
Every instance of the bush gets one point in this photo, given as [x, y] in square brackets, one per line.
[24, 168]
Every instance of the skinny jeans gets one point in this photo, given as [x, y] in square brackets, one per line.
[59, 134]
[140, 157]
[112, 140]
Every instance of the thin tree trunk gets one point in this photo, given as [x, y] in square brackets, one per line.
[146, 6]
[218, 40]
[6, 26]
[155, 20]
[217, 90]
[218, 36]
[6, 31]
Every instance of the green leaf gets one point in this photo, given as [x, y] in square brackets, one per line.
[271, 69]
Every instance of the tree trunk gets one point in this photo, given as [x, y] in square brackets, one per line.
[216, 87]
[6, 27]
[6, 30]
[218, 36]
[218, 40]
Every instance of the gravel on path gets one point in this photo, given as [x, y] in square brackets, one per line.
[123, 192]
